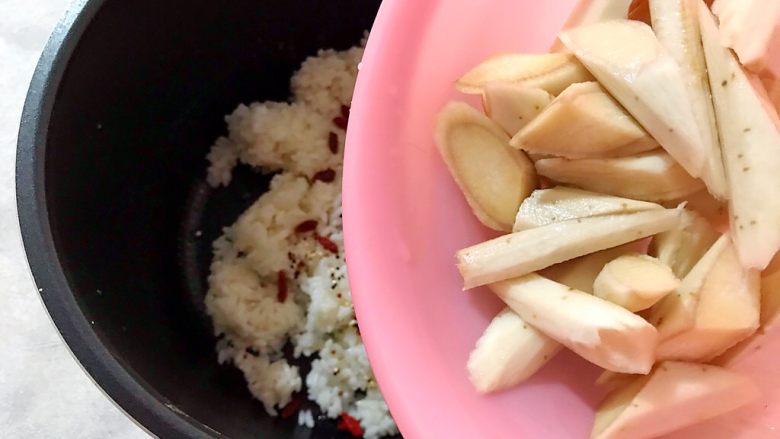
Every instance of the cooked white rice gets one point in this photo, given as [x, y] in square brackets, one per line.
[243, 298]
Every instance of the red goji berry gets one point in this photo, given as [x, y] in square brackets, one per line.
[350, 424]
[340, 122]
[327, 244]
[281, 287]
[333, 142]
[306, 226]
[325, 176]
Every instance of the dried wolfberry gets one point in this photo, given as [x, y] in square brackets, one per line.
[350, 424]
[292, 407]
[327, 244]
[281, 287]
[306, 226]
[333, 142]
[325, 176]
[340, 122]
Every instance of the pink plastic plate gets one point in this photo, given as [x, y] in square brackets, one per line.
[404, 218]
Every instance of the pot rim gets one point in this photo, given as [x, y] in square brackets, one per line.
[150, 410]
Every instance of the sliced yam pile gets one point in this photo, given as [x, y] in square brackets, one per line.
[512, 106]
[652, 176]
[635, 281]
[493, 177]
[508, 352]
[584, 121]
[649, 138]
[629, 61]
[675, 395]
[561, 203]
[552, 72]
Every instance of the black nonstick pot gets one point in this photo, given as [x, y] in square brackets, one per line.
[116, 220]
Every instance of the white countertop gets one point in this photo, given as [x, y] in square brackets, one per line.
[43, 391]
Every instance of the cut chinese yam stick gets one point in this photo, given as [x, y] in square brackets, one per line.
[682, 247]
[727, 312]
[508, 353]
[627, 59]
[494, 178]
[527, 251]
[552, 72]
[652, 176]
[635, 281]
[749, 27]
[675, 395]
[584, 122]
[599, 331]
[561, 203]
[513, 106]
[676, 24]
[751, 150]
[676, 313]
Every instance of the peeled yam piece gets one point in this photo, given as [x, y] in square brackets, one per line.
[652, 176]
[635, 281]
[552, 72]
[676, 24]
[599, 331]
[494, 178]
[676, 313]
[527, 251]
[512, 106]
[580, 273]
[627, 59]
[508, 352]
[675, 395]
[751, 141]
[682, 247]
[728, 311]
[593, 11]
[748, 27]
[561, 203]
[584, 121]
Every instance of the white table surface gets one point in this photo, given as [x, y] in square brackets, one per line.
[43, 391]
